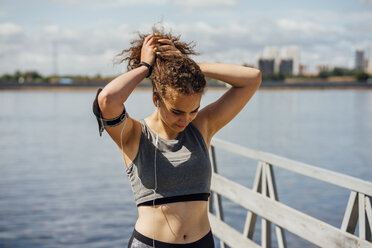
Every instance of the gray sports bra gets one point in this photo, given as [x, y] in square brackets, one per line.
[183, 168]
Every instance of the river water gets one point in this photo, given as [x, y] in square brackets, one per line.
[61, 185]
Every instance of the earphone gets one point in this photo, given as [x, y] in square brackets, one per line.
[155, 169]
[155, 181]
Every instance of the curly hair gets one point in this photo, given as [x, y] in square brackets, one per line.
[178, 72]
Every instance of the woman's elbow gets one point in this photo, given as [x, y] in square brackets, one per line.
[257, 78]
[104, 100]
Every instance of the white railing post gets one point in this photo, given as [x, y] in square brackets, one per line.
[214, 196]
[250, 221]
[264, 182]
[274, 195]
[263, 201]
[358, 210]
[351, 214]
[265, 224]
[368, 218]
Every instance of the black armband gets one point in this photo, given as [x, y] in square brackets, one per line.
[102, 123]
[147, 65]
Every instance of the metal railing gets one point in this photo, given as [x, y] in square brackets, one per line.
[262, 200]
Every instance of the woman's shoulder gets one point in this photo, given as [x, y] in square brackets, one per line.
[132, 146]
[201, 127]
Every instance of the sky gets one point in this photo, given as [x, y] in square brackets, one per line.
[82, 37]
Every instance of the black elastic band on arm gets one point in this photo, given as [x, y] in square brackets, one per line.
[102, 123]
[147, 65]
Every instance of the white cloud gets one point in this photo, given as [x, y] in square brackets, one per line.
[75, 2]
[331, 17]
[301, 26]
[3, 14]
[185, 3]
[239, 38]
[238, 42]
[8, 29]
[51, 29]
[366, 2]
[205, 3]
[78, 52]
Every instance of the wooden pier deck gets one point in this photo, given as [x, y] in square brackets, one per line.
[262, 200]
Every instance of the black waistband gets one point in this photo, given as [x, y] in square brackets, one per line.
[178, 198]
[205, 242]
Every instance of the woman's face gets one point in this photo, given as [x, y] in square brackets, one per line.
[178, 110]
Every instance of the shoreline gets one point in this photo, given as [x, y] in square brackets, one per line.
[264, 86]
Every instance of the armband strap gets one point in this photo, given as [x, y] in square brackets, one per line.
[102, 123]
[147, 65]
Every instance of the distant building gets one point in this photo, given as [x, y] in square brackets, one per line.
[359, 59]
[266, 65]
[365, 64]
[272, 53]
[319, 68]
[303, 69]
[292, 53]
[370, 60]
[286, 66]
[284, 60]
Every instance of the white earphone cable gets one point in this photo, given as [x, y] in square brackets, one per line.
[155, 172]
[155, 180]
[121, 138]
[154, 190]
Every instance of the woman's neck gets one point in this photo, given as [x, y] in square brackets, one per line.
[158, 126]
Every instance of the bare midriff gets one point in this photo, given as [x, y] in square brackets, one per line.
[179, 222]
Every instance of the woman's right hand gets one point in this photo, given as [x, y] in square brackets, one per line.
[148, 49]
[154, 44]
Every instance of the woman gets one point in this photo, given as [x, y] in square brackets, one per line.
[166, 154]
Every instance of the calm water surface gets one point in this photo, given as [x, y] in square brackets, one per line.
[61, 185]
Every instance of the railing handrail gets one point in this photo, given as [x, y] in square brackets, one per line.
[325, 175]
[262, 201]
[307, 227]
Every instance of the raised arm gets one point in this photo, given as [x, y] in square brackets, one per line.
[115, 93]
[244, 81]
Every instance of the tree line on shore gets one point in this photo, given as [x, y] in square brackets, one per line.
[359, 75]
[36, 77]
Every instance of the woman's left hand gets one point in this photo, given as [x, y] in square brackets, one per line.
[147, 50]
[166, 47]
